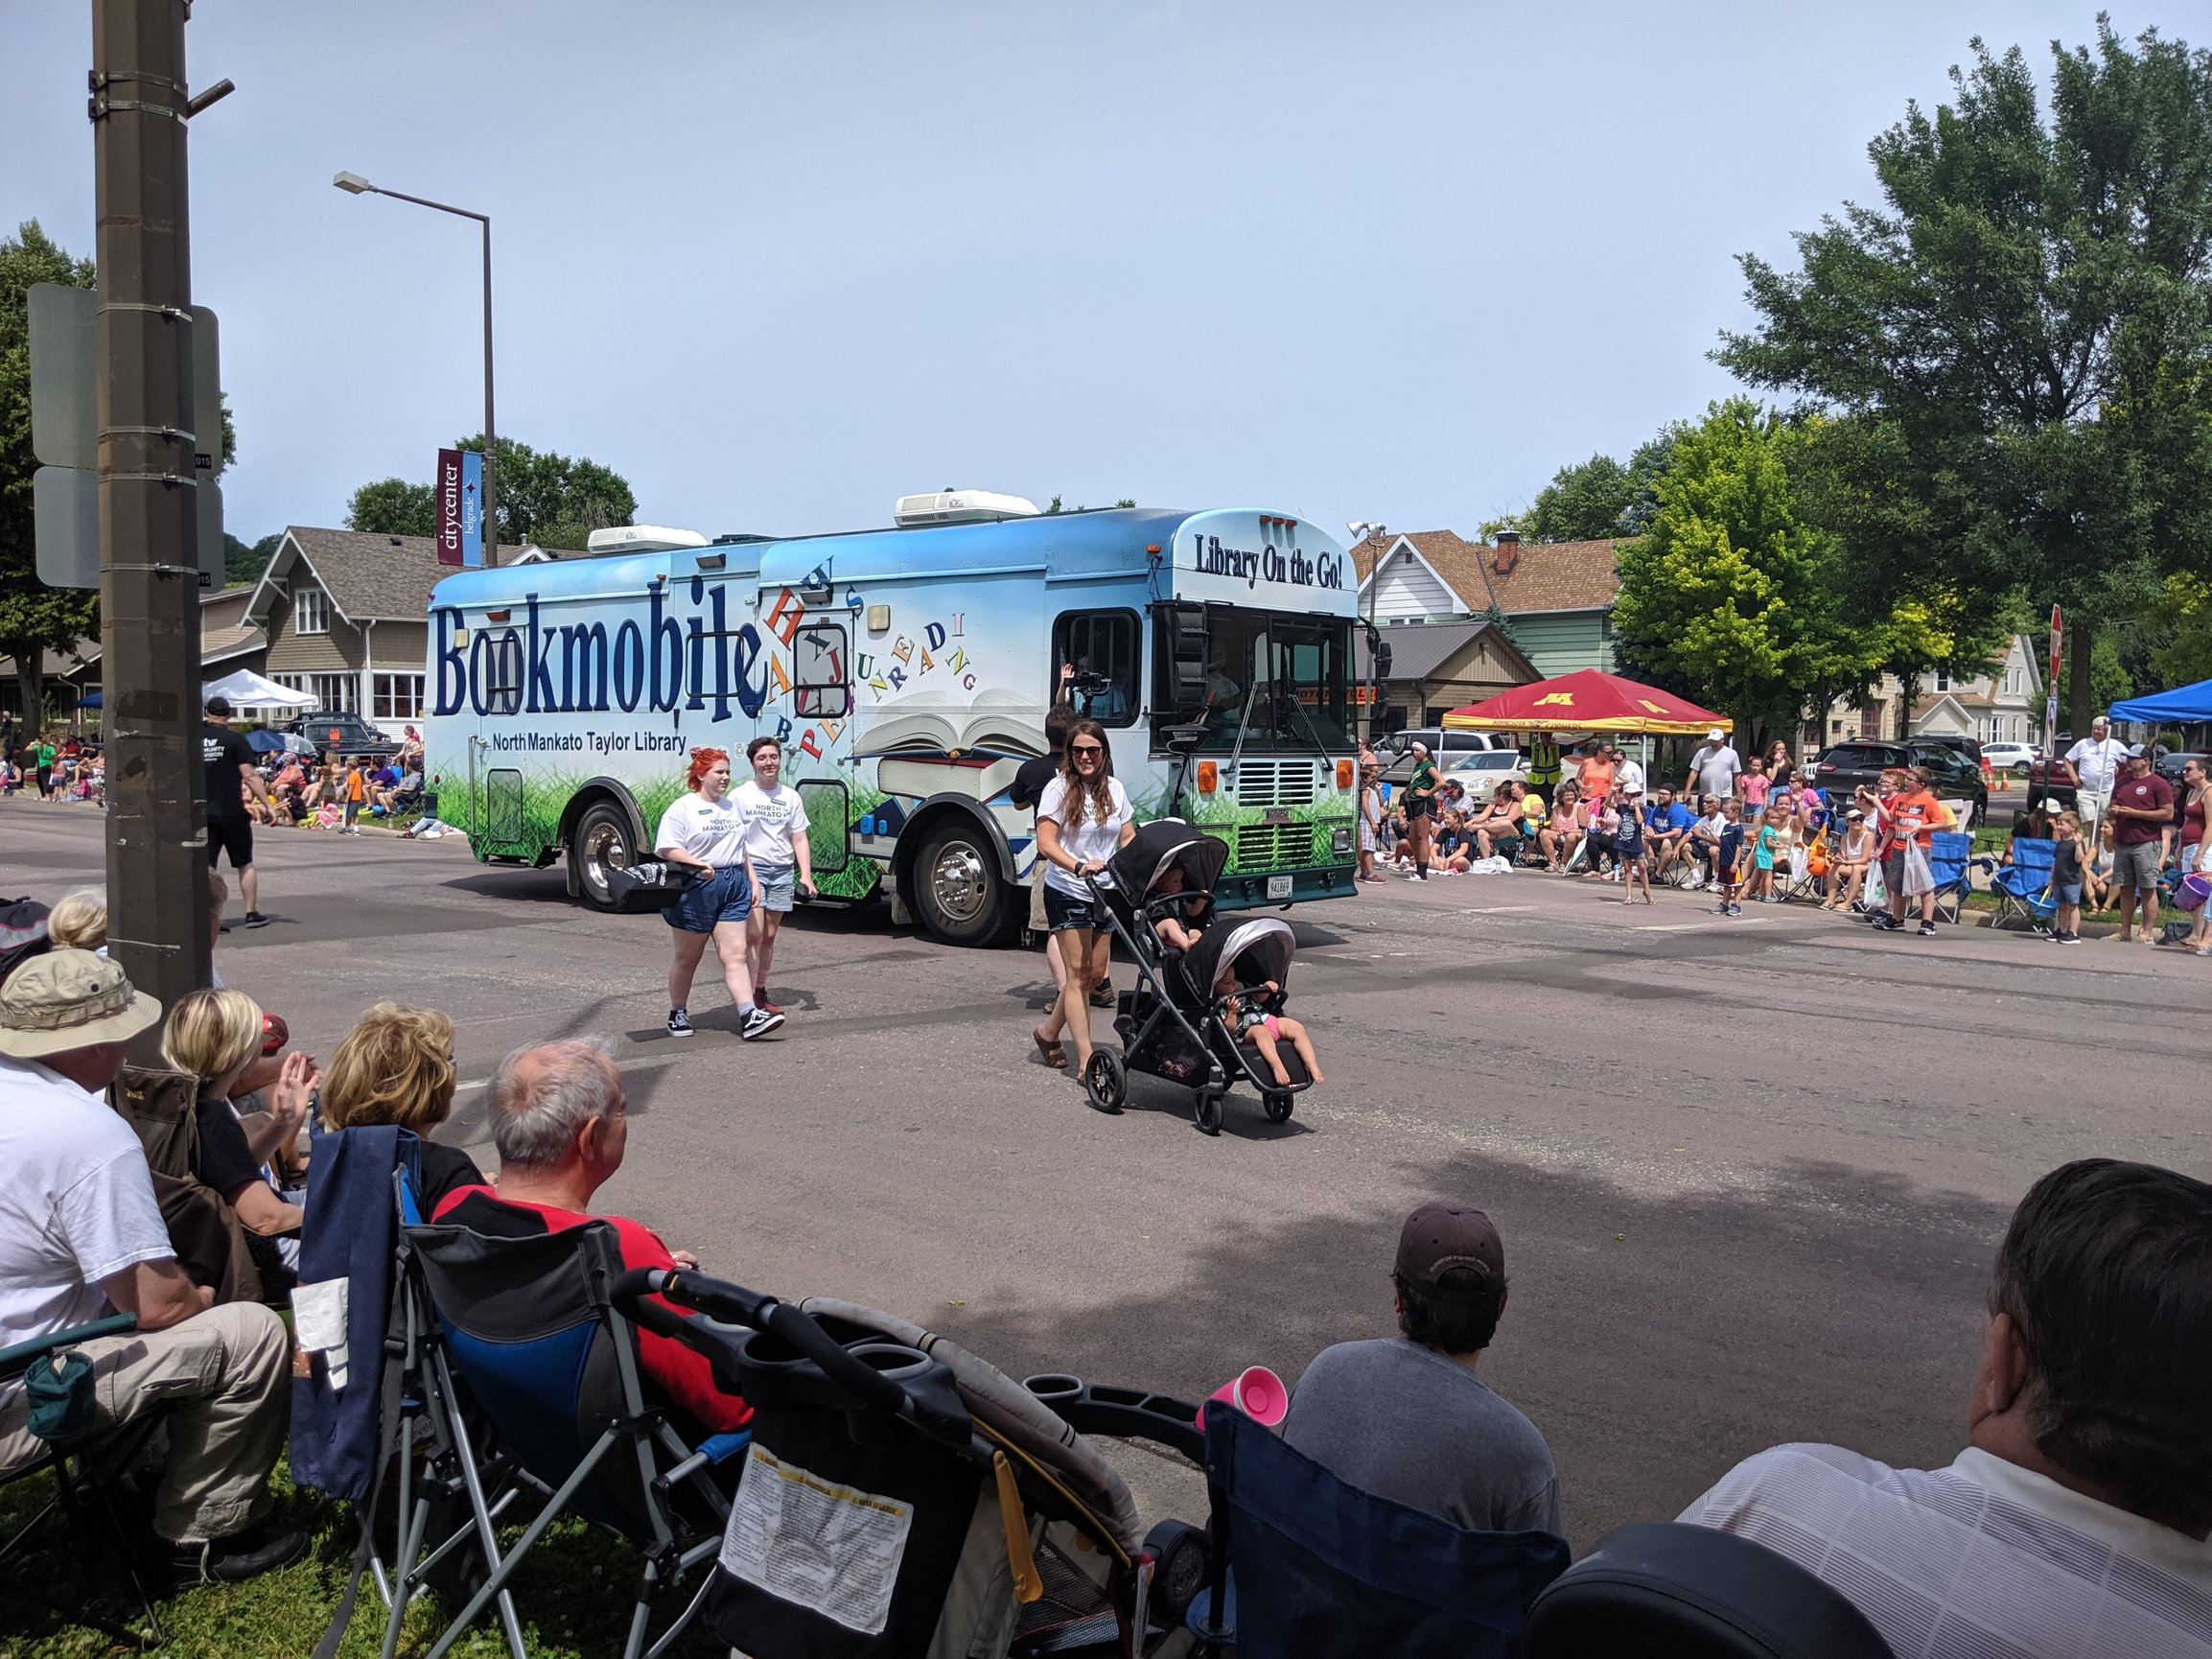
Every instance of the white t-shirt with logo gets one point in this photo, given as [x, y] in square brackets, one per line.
[714, 831]
[1086, 839]
[771, 820]
[77, 1207]
[2097, 764]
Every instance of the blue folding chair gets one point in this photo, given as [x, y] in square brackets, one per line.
[1303, 1564]
[2023, 886]
[1950, 857]
[535, 1334]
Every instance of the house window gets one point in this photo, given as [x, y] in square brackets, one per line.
[1943, 682]
[290, 681]
[398, 696]
[336, 694]
[310, 611]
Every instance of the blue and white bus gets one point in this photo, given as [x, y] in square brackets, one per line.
[908, 672]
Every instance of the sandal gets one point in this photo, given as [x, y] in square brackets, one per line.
[1054, 1055]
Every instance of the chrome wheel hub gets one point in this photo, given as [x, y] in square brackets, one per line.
[959, 884]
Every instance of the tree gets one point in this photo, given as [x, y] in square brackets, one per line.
[1732, 591]
[2025, 327]
[243, 564]
[1591, 500]
[553, 501]
[393, 507]
[33, 617]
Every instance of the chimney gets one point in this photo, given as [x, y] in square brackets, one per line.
[1508, 550]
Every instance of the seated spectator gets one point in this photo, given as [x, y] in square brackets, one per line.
[80, 922]
[2038, 823]
[1666, 823]
[396, 1067]
[81, 1236]
[1497, 832]
[1406, 1418]
[1563, 831]
[217, 1036]
[2075, 1521]
[558, 1118]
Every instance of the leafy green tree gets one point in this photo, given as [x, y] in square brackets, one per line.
[393, 507]
[33, 617]
[243, 564]
[553, 501]
[2025, 327]
[1591, 500]
[1732, 591]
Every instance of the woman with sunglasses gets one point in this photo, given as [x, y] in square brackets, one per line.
[1081, 817]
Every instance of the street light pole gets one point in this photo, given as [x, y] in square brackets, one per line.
[354, 184]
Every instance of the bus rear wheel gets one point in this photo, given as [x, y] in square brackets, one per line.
[601, 842]
[954, 886]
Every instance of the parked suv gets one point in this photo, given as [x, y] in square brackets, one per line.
[1446, 748]
[335, 732]
[1846, 766]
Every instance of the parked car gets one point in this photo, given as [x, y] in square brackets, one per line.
[2169, 766]
[2047, 779]
[1970, 747]
[1843, 768]
[1480, 773]
[1396, 751]
[2009, 757]
[336, 732]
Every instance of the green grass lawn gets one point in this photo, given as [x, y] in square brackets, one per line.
[573, 1592]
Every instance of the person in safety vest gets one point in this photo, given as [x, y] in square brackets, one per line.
[1544, 765]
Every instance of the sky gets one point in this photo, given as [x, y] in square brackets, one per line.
[779, 265]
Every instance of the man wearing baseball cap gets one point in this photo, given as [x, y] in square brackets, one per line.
[1405, 1418]
[1714, 769]
[81, 1236]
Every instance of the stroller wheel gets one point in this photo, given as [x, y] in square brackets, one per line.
[1206, 1113]
[1277, 1104]
[1104, 1081]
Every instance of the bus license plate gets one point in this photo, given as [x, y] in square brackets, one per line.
[1278, 887]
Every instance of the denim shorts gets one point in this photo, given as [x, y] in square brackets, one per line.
[778, 888]
[727, 898]
[1064, 911]
[2066, 892]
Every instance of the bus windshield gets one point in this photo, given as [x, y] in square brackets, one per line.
[1279, 680]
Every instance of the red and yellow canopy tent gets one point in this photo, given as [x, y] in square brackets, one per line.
[1588, 701]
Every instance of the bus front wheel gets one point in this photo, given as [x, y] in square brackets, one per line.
[954, 886]
[601, 842]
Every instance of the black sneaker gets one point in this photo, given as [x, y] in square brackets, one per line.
[678, 1022]
[760, 1023]
[2066, 938]
[1927, 930]
[255, 919]
[230, 1560]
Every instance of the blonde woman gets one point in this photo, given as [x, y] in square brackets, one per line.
[216, 1036]
[396, 1067]
[80, 922]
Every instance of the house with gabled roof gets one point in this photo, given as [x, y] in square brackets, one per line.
[345, 613]
[1557, 596]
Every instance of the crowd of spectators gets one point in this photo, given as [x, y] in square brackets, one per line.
[56, 765]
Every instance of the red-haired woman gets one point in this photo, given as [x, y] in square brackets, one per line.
[706, 829]
[1082, 816]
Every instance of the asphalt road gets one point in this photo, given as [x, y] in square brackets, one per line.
[1750, 1172]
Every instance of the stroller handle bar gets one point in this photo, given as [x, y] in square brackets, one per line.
[718, 1299]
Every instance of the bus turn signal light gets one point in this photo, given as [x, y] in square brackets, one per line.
[1343, 774]
[1208, 775]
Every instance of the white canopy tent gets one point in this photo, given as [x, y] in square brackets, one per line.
[248, 689]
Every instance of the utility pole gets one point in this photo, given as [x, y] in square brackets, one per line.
[157, 906]
[491, 442]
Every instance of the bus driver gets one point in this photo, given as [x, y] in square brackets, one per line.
[706, 829]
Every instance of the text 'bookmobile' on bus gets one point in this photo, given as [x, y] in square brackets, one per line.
[907, 671]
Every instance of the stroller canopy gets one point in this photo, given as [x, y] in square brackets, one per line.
[1165, 842]
[1258, 950]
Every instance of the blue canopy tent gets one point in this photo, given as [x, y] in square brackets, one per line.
[89, 701]
[2185, 704]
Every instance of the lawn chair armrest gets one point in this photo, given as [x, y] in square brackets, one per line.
[16, 1360]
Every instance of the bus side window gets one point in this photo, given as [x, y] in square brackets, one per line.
[1103, 647]
[821, 689]
[504, 690]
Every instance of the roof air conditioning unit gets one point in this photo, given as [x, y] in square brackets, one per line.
[960, 507]
[642, 539]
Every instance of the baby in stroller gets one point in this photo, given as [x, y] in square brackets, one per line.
[1179, 931]
[1246, 1012]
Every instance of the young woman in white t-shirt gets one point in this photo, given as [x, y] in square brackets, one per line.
[1081, 817]
[705, 830]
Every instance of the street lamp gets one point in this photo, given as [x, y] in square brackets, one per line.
[354, 184]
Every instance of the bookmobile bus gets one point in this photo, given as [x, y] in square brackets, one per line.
[908, 672]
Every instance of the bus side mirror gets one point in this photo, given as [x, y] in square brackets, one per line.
[1191, 644]
[1382, 661]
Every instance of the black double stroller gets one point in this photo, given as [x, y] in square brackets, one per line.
[1175, 1023]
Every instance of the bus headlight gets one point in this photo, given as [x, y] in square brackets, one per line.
[1339, 842]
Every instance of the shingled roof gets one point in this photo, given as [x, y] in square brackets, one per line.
[368, 577]
[1538, 575]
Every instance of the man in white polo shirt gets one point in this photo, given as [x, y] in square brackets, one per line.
[82, 1237]
[2075, 1522]
[776, 841]
[2093, 768]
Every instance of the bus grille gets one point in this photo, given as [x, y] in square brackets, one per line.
[1274, 846]
[1275, 782]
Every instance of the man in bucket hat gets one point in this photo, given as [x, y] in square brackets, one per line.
[1405, 1418]
[81, 1236]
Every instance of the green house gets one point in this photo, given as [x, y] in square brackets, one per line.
[1556, 597]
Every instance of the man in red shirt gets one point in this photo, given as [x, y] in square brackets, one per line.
[1910, 817]
[560, 1121]
[2141, 813]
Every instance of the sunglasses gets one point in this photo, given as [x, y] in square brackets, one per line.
[1085, 749]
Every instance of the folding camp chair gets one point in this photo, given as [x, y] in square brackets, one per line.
[1950, 858]
[1659, 1588]
[1302, 1563]
[532, 1329]
[82, 1457]
[2022, 886]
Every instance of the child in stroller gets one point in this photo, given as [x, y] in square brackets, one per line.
[1255, 1025]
